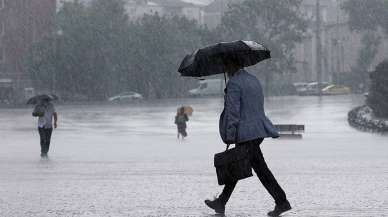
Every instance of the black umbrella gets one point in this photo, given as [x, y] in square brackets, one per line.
[211, 60]
[39, 98]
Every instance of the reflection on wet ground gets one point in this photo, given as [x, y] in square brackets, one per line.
[124, 160]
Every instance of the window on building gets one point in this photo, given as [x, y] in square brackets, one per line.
[2, 4]
[309, 14]
[2, 28]
[324, 15]
[2, 54]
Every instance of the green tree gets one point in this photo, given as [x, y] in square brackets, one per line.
[89, 57]
[111, 44]
[160, 43]
[100, 53]
[370, 44]
[41, 64]
[367, 15]
[378, 93]
[279, 25]
[367, 18]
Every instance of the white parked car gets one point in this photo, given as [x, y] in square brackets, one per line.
[209, 87]
[300, 87]
[336, 90]
[126, 97]
[312, 89]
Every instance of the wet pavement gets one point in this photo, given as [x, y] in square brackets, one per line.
[125, 160]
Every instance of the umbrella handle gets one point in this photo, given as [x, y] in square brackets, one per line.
[225, 78]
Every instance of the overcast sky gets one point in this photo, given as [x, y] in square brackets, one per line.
[199, 1]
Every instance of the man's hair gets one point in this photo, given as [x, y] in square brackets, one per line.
[233, 61]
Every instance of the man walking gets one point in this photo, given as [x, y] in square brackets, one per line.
[45, 125]
[243, 122]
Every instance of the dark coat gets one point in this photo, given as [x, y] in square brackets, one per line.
[180, 120]
[243, 118]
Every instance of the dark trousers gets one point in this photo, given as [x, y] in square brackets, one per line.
[182, 130]
[45, 138]
[261, 169]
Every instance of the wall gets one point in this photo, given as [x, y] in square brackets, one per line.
[25, 22]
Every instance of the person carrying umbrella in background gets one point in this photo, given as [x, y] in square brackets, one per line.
[45, 111]
[180, 120]
[243, 121]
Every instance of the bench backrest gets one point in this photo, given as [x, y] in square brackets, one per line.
[290, 127]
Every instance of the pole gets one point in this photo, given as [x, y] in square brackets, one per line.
[55, 59]
[222, 8]
[57, 38]
[338, 44]
[318, 47]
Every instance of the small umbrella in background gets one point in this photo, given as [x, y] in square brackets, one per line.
[38, 98]
[211, 60]
[188, 110]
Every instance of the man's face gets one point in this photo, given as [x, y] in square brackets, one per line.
[231, 69]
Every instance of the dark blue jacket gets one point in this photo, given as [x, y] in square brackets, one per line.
[243, 118]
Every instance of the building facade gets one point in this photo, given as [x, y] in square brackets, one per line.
[213, 12]
[138, 8]
[22, 23]
[340, 45]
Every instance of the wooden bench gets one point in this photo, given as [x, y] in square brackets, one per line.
[290, 130]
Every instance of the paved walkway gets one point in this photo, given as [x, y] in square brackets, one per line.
[125, 161]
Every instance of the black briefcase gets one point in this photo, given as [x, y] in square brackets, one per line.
[232, 165]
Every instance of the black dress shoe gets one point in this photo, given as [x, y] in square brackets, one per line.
[279, 209]
[218, 207]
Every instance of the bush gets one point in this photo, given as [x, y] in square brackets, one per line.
[378, 93]
[362, 118]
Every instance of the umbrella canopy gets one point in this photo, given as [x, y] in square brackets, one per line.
[188, 110]
[38, 98]
[211, 60]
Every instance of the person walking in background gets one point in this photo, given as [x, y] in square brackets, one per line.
[180, 120]
[243, 122]
[45, 111]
